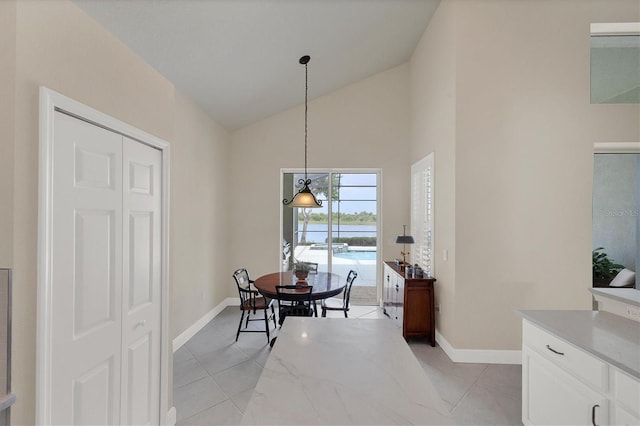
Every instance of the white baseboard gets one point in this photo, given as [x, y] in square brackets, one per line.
[480, 356]
[198, 325]
[171, 416]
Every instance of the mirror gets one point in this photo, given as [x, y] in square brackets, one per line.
[616, 211]
[615, 63]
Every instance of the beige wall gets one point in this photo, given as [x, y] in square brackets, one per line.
[433, 121]
[7, 127]
[58, 46]
[364, 125]
[199, 216]
[524, 135]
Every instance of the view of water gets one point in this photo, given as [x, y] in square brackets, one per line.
[356, 255]
[318, 233]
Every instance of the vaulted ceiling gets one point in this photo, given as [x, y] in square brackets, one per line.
[238, 59]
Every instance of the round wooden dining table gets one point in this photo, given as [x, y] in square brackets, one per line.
[324, 284]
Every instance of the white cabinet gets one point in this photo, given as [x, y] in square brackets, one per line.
[564, 385]
[626, 399]
[555, 397]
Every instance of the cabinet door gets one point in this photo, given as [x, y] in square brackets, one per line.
[416, 310]
[399, 299]
[624, 417]
[551, 396]
[388, 290]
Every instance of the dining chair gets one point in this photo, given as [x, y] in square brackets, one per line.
[336, 304]
[293, 301]
[251, 302]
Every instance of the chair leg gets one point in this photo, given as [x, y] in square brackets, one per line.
[324, 313]
[273, 315]
[248, 315]
[266, 323]
[240, 325]
[345, 314]
[315, 309]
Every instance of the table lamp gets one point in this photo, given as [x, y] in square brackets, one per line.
[404, 239]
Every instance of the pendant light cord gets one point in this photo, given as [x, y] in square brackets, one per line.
[306, 89]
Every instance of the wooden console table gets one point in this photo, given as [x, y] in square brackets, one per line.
[409, 302]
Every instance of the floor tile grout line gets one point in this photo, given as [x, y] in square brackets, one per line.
[466, 393]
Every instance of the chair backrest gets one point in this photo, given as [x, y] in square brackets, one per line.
[299, 298]
[347, 291]
[243, 282]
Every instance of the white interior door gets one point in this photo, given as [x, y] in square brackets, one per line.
[141, 283]
[87, 271]
[106, 272]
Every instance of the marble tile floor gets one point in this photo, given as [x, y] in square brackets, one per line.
[214, 376]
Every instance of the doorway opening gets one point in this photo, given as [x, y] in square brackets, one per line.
[616, 217]
[340, 236]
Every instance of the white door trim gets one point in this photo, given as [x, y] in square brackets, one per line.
[51, 101]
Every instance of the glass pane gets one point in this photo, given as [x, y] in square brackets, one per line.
[366, 179]
[354, 211]
[357, 193]
[354, 235]
[305, 230]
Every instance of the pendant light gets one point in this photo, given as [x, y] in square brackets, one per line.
[304, 198]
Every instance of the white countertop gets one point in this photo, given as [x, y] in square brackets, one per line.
[630, 296]
[343, 371]
[610, 337]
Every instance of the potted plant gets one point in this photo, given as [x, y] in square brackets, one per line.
[301, 270]
[603, 268]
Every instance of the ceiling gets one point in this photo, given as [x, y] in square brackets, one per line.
[238, 59]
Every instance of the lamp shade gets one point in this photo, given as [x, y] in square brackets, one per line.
[305, 198]
[404, 239]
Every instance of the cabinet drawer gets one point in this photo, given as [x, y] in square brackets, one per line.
[627, 392]
[584, 366]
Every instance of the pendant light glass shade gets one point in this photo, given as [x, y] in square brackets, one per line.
[304, 198]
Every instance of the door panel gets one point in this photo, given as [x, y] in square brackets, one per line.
[94, 279]
[139, 360]
[94, 169]
[140, 259]
[90, 407]
[86, 273]
[141, 287]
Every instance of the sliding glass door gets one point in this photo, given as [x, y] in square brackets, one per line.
[342, 234]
